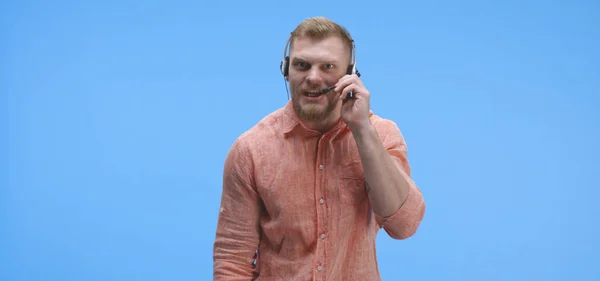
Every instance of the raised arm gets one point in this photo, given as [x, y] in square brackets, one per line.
[397, 202]
[238, 229]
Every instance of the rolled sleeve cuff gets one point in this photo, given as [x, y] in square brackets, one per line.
[405, 221]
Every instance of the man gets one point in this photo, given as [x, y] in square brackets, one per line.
[306, 190]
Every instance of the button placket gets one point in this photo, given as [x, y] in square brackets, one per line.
[321, 208]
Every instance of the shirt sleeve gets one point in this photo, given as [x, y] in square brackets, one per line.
[238, 228]
[405, 221]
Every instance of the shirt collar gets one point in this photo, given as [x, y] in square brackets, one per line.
[290, 119]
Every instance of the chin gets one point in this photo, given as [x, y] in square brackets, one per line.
[313, 112]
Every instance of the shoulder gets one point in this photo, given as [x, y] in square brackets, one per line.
[385, 127]
[262, 133]
[389, 133]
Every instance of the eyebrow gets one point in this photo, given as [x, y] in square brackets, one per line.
[294, 59]
[299, 58]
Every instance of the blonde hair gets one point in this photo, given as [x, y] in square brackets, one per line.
[321, 27]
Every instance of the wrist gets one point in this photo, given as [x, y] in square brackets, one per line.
[363, 129]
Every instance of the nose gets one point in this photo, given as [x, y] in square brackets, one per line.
[314, 76]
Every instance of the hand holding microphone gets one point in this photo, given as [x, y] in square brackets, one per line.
[356, 100]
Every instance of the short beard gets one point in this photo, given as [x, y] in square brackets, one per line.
[311, 113]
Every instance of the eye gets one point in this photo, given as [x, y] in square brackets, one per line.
[301, 64]
[329, 66]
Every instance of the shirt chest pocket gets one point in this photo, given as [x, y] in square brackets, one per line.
[351, 184]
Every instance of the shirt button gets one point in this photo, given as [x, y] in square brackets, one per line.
[323, 236]
[319, 268]
[321, 201]
[321, 167]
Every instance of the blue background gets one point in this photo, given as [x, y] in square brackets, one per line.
[117, 116]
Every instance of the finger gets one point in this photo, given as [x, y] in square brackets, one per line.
[344, 81]
[358, 81]
[350, 88]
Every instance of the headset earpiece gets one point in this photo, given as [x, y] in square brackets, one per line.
[285, 66]
[352, 70]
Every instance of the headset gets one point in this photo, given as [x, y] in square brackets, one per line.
[284, 65]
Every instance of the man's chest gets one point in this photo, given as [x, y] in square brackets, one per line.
[299, 176]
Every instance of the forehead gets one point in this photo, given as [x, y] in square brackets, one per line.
[319, 49]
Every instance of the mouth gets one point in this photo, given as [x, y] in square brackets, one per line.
[313, 93]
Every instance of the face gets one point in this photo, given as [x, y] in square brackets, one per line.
[316, 64]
